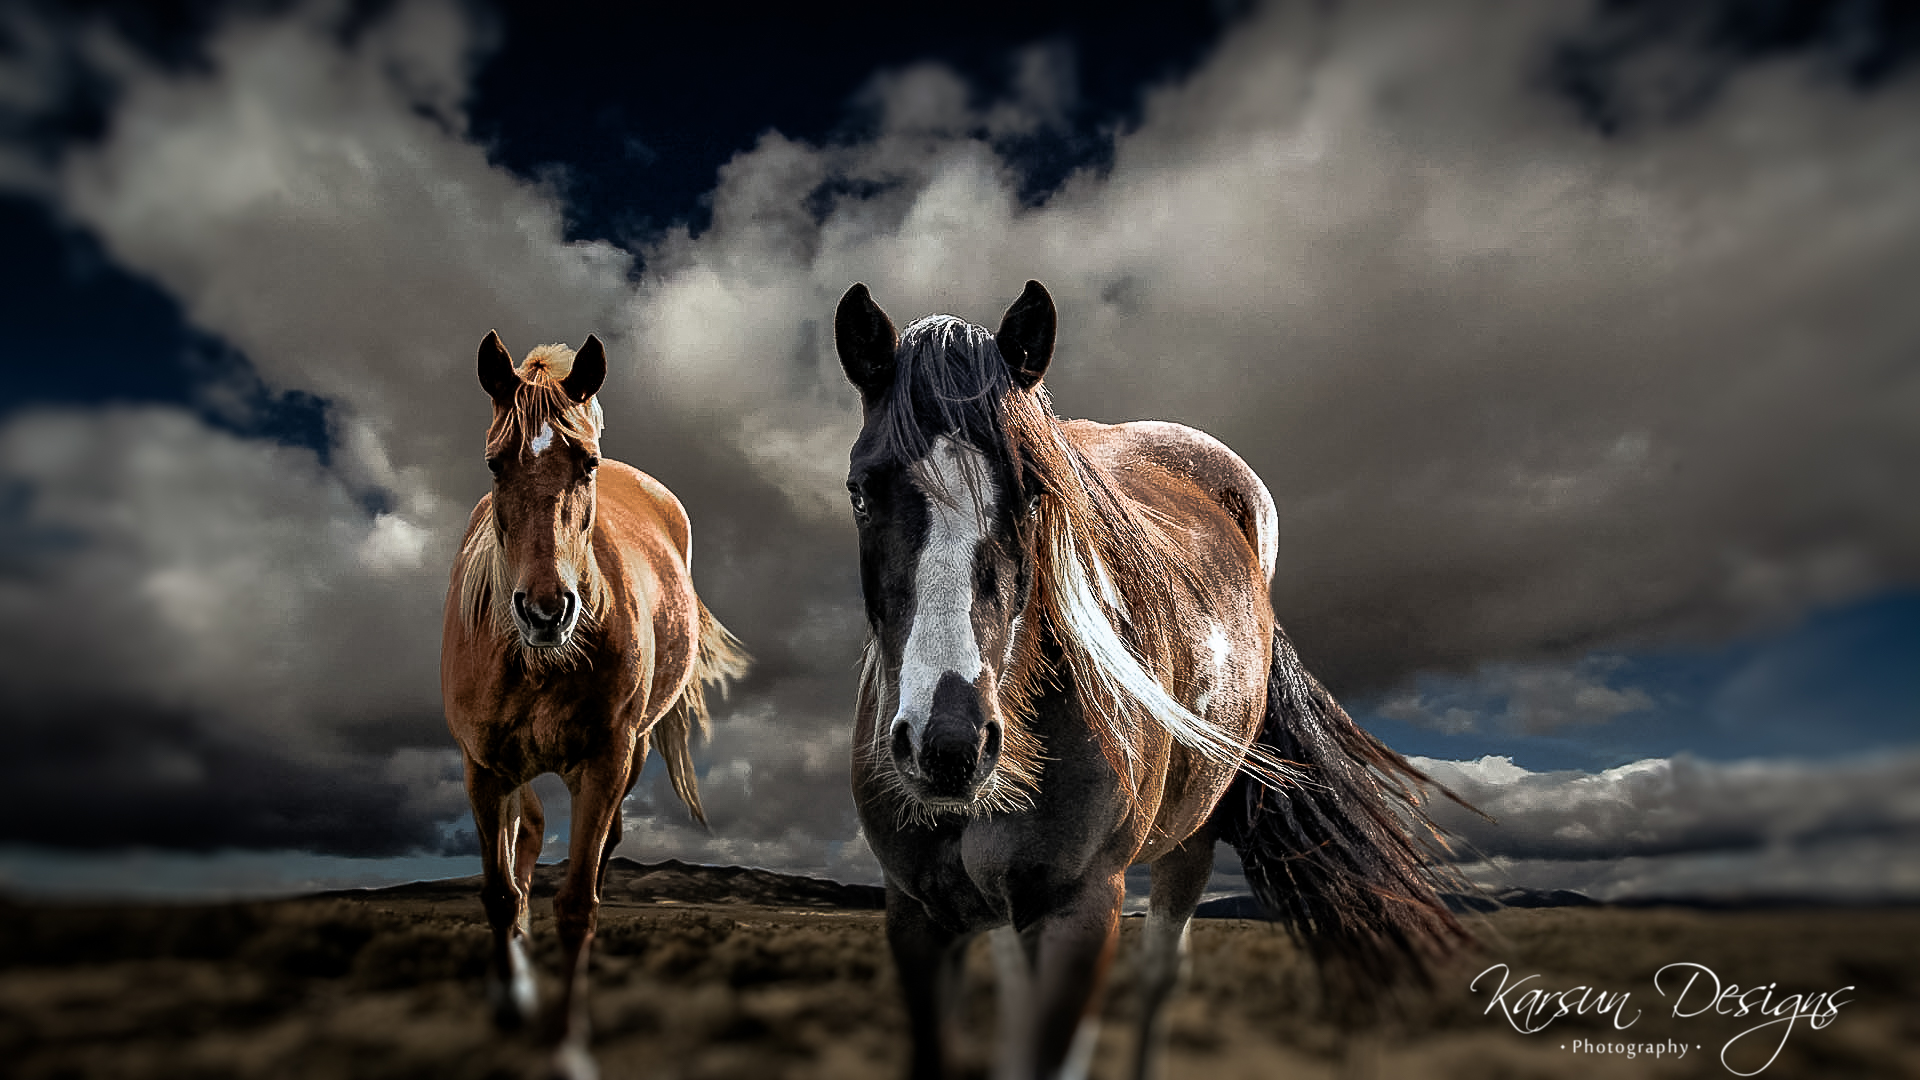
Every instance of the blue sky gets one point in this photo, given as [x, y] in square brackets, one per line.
[1841, 682]
[1573, 344]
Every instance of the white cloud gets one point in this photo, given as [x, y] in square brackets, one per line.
[1666, 807]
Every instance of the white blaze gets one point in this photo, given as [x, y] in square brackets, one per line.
[941, 639]
[543, 440]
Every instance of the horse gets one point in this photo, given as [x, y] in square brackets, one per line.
[1072, 667]
[573, 642]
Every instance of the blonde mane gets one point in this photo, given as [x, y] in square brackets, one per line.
[485, 592]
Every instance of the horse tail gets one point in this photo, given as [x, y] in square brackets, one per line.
[1346, 856]
[718, 657]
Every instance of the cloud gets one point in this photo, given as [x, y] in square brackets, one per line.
[1532, 699]
[214, 632]
[1521, 390]
[1681, 805]
[1683, 828]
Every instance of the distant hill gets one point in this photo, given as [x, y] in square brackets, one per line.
[671, 882]
[676, 882]
[1244, 906]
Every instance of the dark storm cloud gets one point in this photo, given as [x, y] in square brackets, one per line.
[1520, 389]
[1636, 62]
[114, 774]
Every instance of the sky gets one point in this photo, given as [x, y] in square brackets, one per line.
[1576, 342]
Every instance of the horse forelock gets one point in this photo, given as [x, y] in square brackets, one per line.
[949, 379]
[540, 401]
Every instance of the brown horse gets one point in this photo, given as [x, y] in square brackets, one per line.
[573, 640]
[1073, 667]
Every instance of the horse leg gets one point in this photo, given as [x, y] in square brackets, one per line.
[598, 789]
[619, 825]
[928, 959]
[1013, 993]
[498, 809]
[526, 851]
[1179, 877]
[1070, 949]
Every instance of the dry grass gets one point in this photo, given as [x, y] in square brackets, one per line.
[392, 988]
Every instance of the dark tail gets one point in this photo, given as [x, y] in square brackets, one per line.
[1338, 857]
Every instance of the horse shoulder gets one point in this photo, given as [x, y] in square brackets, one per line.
[1134, 451]
[644, 551]
[644, 510]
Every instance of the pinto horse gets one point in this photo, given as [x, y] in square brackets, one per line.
[573, 641]
[1073, 667]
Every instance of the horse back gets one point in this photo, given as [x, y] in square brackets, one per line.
[1171, 467]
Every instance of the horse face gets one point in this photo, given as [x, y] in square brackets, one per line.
[543, 501]
[945, 564]
[946, 533]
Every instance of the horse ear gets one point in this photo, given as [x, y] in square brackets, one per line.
[496, 370]
[865, 339]
[589, 371]
[1025, 336]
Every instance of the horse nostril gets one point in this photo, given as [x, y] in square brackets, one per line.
[990, 748]
[535, 614]
[903, 748]
[948, 764]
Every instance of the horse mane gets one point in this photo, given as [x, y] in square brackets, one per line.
[485, 591]
[1108, 577]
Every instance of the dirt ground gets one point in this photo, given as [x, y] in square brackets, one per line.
[383, 987]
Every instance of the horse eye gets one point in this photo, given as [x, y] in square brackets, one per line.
[592, 463]
[494, 463]
[858, 498]
[1033, 505]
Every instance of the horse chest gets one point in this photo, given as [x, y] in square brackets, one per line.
[972, 874]
[528, 726]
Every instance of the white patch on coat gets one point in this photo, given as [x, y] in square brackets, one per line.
[543, 440]
[1218, 648]
[960, 498]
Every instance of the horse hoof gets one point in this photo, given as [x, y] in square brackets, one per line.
[573, 1061]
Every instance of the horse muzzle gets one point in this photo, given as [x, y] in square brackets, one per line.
[548, 623]
[957, 749]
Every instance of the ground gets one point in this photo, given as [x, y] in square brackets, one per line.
[378, 985]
